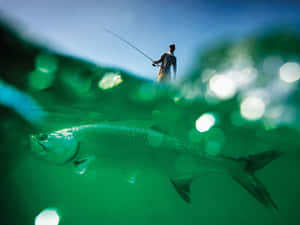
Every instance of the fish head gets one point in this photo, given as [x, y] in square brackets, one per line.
[57, 147]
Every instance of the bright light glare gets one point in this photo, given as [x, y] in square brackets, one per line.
[205, 122]
[47, 217]
[243, 77]
[252, 108]
[222, 86]
[289, 72]
[109, 81]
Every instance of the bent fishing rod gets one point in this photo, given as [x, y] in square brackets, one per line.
[131, 45]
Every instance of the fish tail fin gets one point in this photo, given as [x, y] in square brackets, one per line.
[250, 182]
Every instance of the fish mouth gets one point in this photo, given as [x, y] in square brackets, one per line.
[36, 146]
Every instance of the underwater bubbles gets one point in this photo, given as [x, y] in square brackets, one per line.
[252, 108]
[222, 86]
[48, 216]
[289, 72]
[205, 122]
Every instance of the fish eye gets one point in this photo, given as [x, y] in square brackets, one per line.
[42, 137]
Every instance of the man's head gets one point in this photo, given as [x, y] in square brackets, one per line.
[172, 47]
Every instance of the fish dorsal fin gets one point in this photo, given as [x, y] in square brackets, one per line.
[183, 187]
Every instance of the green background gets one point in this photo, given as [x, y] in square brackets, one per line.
[67, 91]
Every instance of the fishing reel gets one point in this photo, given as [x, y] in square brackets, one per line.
[155, 65]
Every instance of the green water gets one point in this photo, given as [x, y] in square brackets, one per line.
[66, 92]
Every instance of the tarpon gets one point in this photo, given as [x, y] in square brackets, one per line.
[112, 140]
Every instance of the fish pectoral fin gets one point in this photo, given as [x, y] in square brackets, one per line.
[157, 128]
[81, 164]
[183, 187]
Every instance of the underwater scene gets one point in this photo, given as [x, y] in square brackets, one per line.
[87, 144]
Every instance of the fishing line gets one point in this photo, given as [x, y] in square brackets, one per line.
[128, 43]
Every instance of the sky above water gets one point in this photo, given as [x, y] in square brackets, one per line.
[76, 27]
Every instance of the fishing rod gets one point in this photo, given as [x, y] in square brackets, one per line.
[131, 45]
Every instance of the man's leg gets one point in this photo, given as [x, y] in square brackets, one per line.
[160, 77]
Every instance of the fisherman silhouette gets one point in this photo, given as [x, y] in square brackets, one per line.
[167, 60]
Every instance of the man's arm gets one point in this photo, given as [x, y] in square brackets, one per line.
[160, 59]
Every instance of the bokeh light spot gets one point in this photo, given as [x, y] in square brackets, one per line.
[146, 92]
[109, 81]
[252, 108]
[289, 72]
[272, 64]
[40, 80]
[222, 86]
[243, 77]
[213, 148]
[205, 122]
[46, 63]
[76, 80]
[48, 216]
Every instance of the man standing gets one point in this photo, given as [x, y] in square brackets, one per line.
[167, 60]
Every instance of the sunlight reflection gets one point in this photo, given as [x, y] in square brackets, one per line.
[205, 122]
[243, 77]
[48, 216]
[222, 86]
[289, 72]
[109, 81]
[252, 108]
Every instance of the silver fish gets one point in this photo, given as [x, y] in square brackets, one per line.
[62, 147]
